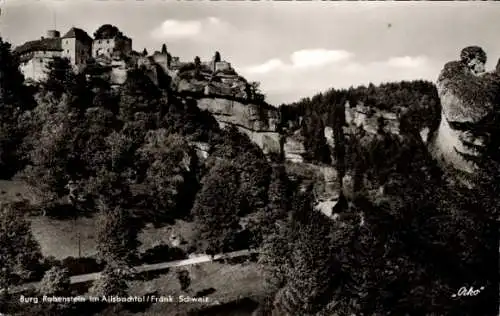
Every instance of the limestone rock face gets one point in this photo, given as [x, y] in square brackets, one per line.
[202, 150]
[259, 123]
[192, 86]
[325, 184]
[470, 100]
[371, 120]
[251, 116]
[328, 131]
[294, 148]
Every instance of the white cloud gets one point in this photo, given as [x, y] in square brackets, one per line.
[214, 20]
[172, 29]
[318, 57]
[266, 67]
[407, 61]
[205, 29]
[288, 82]
[302, 59]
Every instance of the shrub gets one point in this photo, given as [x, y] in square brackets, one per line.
[84, 265]
[162, 253]
[55, 281]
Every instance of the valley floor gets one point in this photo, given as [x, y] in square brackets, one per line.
[223, 283]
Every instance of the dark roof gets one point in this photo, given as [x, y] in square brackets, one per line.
[77, 33]
[44, 44]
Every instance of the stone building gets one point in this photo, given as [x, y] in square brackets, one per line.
[76, 46]
[108, 45]
[36, 55]
[222, 66]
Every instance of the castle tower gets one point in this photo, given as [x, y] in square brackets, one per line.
[76, 45]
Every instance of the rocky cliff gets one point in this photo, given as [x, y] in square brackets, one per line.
[470, 102]
[259, 122]
[230, 102]
[372, 120]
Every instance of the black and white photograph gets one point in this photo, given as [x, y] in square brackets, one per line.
[249, 158]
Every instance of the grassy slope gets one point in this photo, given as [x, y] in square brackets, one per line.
[229, 281]
[58, 238]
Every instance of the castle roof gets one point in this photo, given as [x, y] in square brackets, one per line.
[44, 44]
[79, 34]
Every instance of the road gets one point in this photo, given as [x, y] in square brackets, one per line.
[82, 278]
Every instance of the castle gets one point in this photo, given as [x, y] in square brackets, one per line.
[112, 48]
[35, 55]
[76, 45]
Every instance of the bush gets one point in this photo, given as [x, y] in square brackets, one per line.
[162, 253]
[82, 265]
[55, 281]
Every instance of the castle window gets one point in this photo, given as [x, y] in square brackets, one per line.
[107, 42]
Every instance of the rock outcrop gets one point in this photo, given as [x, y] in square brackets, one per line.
[470, 100]
[372, 120]
[258, 122]
[293, 148]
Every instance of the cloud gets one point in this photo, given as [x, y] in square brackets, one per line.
[302, 59]
[318, 57]
[407, 61]
[188, 29]
[171, 29]
[266, 67]
[313, 71]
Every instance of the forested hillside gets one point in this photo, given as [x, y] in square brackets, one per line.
[401, 242]
[415, 102]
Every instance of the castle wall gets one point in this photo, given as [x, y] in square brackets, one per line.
[108, 46]
[103, 47]
[222, 65]
[36, 68]
[69, 49]
[83, 52]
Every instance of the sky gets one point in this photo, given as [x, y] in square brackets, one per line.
[294, 49]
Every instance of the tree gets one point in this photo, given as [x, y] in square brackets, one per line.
[19, 251]
[216, 218]
[305, 272]
[164, 49]
[184, 280]
[116, 236]
[62, 80]
[254, 170]
[278, 194]
[217, 57]
[15, 98]
[56, 282]
[145, 52]
[338, 122]
[315, 142]
[138, 95]
[263, 224]
[110, 283]
[53, 161]
[169, 177]
[107, 31]
[197, 62]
